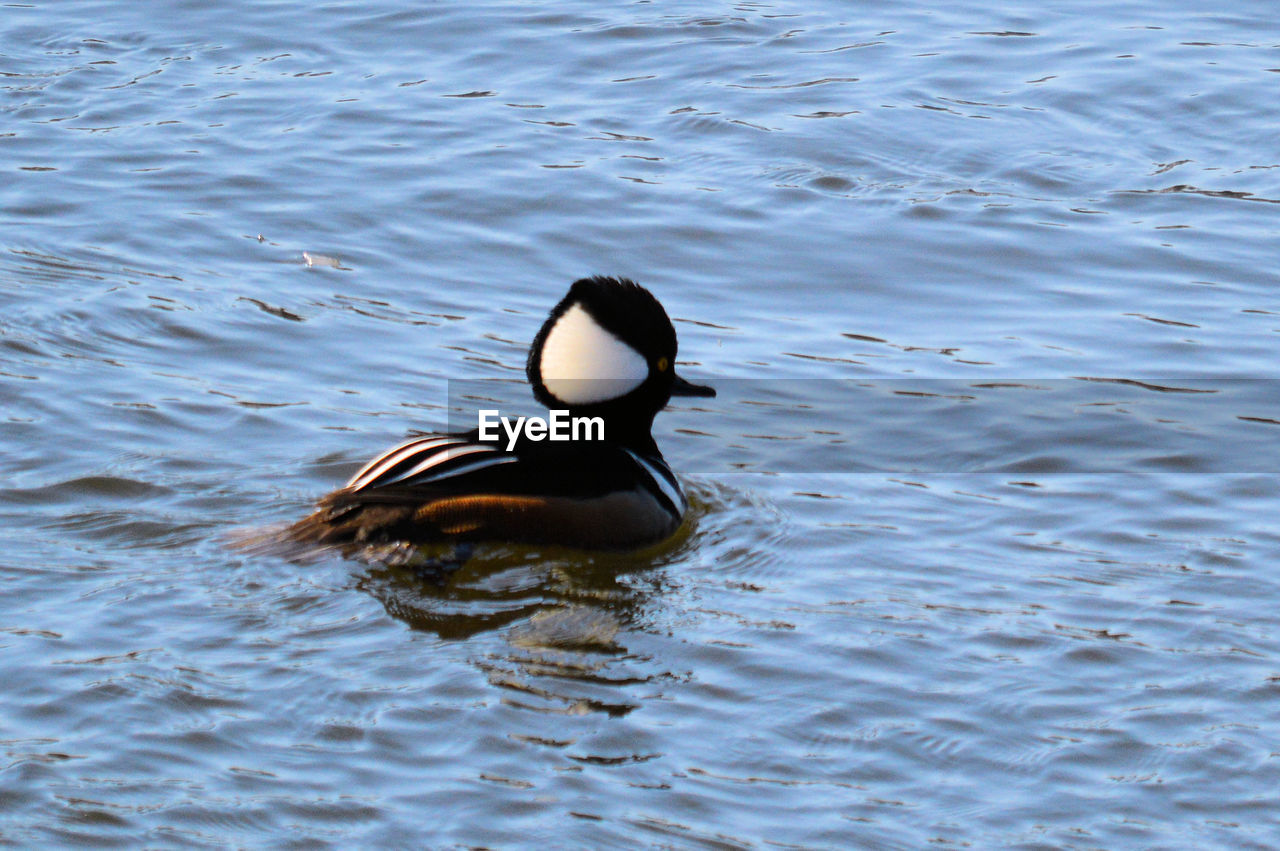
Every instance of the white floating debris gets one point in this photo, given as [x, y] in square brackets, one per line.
[321, 260]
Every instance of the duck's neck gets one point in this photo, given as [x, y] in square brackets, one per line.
[624, 428]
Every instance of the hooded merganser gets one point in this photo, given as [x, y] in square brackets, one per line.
[607, 350]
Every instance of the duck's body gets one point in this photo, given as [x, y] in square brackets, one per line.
[455, 487]
[608, 351]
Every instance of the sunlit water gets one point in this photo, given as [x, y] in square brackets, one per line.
[245, 246]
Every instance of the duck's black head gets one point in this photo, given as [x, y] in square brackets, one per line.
[608, 350]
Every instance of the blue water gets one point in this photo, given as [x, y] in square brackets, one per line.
[246, 246]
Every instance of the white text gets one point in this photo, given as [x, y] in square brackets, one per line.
[558, 426]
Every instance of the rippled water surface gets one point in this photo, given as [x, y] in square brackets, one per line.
[984, 525]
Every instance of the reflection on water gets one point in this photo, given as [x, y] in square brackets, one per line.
[566, 616]
[560, 614]
[498, 586]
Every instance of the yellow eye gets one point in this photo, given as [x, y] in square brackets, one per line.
[663, 363]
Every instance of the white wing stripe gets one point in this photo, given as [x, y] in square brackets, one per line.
[478, 464]
[384, 462]
[440, 457]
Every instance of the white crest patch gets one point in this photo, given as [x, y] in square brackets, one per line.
[583, 363]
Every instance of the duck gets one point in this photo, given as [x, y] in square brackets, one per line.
[605, 356]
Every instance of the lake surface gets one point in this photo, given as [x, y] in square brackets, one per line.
[984, 533]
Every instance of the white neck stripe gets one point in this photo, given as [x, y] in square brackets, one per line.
[663, 478]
